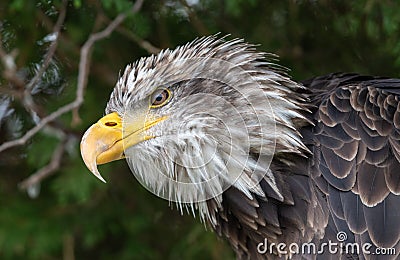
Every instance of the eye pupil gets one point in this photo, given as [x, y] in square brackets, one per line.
[160, 98]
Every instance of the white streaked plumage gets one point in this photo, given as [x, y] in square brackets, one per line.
[249, 108]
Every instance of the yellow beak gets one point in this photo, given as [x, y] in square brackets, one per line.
[105, 141]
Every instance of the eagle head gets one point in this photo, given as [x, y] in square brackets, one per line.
[193, 121]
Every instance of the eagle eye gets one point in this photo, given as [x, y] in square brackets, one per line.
[160, 97]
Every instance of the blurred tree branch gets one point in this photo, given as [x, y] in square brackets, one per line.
[52, 48]
[47, 170]
[194, 19]
[85, 57]
[82, 79]
[68, 247]
[84, 65]
[150, 48]
[146, 45]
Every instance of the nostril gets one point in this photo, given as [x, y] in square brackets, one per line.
[110, 124]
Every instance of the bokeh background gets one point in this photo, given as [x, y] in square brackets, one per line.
[51, 207]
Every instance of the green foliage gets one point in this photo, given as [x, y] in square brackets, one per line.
[66, 188]
[120, 219]
[77, 3]
[235, 7]
[117, 5]
[140, 25]
[17, 5]
[46, 145]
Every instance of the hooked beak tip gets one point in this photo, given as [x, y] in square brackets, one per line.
[89, 158]
[97, 174]
[99, 143]
[92, 166]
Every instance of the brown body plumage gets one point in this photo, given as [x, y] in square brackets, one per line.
[215, 127]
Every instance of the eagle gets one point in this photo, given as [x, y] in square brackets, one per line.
[281, 169]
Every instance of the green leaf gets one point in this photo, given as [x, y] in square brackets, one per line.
[41, 150]
[17, 5]
[77, 4]
[75, 184]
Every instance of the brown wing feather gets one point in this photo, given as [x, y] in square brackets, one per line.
[357, 148]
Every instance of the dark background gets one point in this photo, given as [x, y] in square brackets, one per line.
[66, 212]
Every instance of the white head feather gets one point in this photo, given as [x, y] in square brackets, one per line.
[232, 110]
